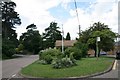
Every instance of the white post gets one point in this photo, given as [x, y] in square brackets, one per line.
[62, 40]
[97, 49]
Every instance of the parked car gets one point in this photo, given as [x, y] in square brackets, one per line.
[103, 53]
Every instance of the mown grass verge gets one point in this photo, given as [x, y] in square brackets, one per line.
[85, 66]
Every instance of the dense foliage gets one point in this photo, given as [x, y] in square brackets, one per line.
[48, 55]
[83, 47]
[98, 30]
[31, 40]
[56, 58]
[51, 35]
[9, 19]
[64, 62]
[77, 53]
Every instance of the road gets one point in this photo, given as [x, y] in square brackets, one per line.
[10, 68]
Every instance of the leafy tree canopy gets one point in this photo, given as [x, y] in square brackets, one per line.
[51, 35]
[98, 30]
[31, 39]
[9, 19]
[31, 26]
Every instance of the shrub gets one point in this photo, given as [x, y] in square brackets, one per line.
[42, 62]
[83, 47]
[75, 52]
[7, 51]
[20, 48]
[72, 58]
[8, 48]
[50, 54]
[63, 63]
[57, 63]
[48, 58]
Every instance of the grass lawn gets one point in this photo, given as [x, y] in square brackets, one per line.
[85, 66]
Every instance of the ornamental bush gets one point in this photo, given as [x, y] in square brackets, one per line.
[63, 63]
[48, 58]
[75, 51]
[49, 54]
[83, 47]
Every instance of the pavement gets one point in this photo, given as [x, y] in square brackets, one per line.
[11, 68]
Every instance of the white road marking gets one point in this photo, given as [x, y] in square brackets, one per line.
[14, 75]
[115, 65]
[11, 76]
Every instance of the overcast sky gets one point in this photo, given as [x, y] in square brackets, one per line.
[42, 12]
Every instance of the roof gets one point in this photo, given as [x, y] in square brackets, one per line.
[67, 43]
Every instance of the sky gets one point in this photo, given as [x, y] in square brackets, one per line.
[42, 12]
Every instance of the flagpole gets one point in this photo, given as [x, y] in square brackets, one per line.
[77, 18]
[62, 40]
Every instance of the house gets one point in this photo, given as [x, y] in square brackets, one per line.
[67, 43]
[91, 52]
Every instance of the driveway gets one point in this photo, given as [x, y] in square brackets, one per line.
[10, 68]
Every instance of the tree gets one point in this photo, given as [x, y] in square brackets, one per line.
[98, 30]
[9, 19]
[51, 35]
[31, 39]
[68, 36]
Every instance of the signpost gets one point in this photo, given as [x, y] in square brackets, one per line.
[97, 49]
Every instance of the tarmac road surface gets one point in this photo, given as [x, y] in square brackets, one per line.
[11, 67]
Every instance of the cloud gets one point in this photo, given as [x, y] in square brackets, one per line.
[105, 12]
[35, 11]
